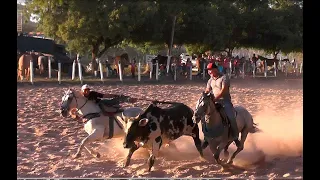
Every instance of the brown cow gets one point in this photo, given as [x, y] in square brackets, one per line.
[24, 66]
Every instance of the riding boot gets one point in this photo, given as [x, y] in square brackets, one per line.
[102, 109]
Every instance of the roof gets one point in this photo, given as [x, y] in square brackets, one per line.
[25, 43]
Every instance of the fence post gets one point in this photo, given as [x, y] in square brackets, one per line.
[139, 71]
[243, 70]
[73, 70]
[168, 64]
[157, 70]
[31, 71]
[120, 71]
[59, 72]
[254, 69]
[275, 69]
[265, 68]
[151, 69]
[301, 67]
[96, 72]
[175, 73]
[49, 67]
[230, 70]
[204, 71]
[79, 69]
[101, 71]
[190, 72]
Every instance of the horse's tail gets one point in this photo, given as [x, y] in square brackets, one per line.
[254, 128]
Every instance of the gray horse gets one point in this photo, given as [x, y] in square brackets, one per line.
[98, 126]
[216, 130]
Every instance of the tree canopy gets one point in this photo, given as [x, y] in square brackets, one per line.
[273, 25]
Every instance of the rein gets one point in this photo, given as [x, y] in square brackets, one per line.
[78, 109]
[157, 102]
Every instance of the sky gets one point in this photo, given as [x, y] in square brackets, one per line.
[20, 1]
[32, 15]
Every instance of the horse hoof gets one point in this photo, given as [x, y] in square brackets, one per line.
[229, 162]
[76, 156]
[218, 161]
[202, 159]
[126, 164]
[98, 155]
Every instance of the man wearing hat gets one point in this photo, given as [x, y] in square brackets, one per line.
[97, 97]
[219, 84]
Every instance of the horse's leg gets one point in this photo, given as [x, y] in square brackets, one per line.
[27, 71]
[95, 135]
[205, 144]
[131, 151]
[240, 148]
[225, 152]
[213, 146]
[216, 155]
[92, 152]
[20, 75]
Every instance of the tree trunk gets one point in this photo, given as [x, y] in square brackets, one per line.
[94, 54]
[275, 54]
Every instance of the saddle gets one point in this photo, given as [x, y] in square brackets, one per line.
[225, 119]
[110, 107]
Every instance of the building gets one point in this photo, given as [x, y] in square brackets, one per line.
[19, 21]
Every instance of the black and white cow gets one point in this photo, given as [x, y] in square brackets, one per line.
[157, 126]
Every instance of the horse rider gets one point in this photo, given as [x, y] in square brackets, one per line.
[219, 84]
[97, 97]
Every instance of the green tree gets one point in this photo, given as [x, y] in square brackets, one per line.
[83, 25]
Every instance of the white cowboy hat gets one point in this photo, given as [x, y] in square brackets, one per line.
[85, 87]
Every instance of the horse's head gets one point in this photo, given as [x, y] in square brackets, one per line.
[68, 102]
[202, 106]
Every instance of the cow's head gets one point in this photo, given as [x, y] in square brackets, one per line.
[136, 128]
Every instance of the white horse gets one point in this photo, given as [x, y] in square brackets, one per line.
[98, 126]
[216, 132]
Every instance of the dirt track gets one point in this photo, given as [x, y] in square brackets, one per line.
[45, 140]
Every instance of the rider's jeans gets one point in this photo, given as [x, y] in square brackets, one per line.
[228, 108]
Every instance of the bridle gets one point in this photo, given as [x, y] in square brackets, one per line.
[208, 106]
[77, 105]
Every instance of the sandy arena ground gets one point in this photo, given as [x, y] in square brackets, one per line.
[46, 140]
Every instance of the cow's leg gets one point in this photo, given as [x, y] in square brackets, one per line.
[156, 144]
[240, 148]
[197, 141]
[131, 151]
[95, 135]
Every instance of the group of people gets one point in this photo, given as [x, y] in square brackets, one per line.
[222, 63]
